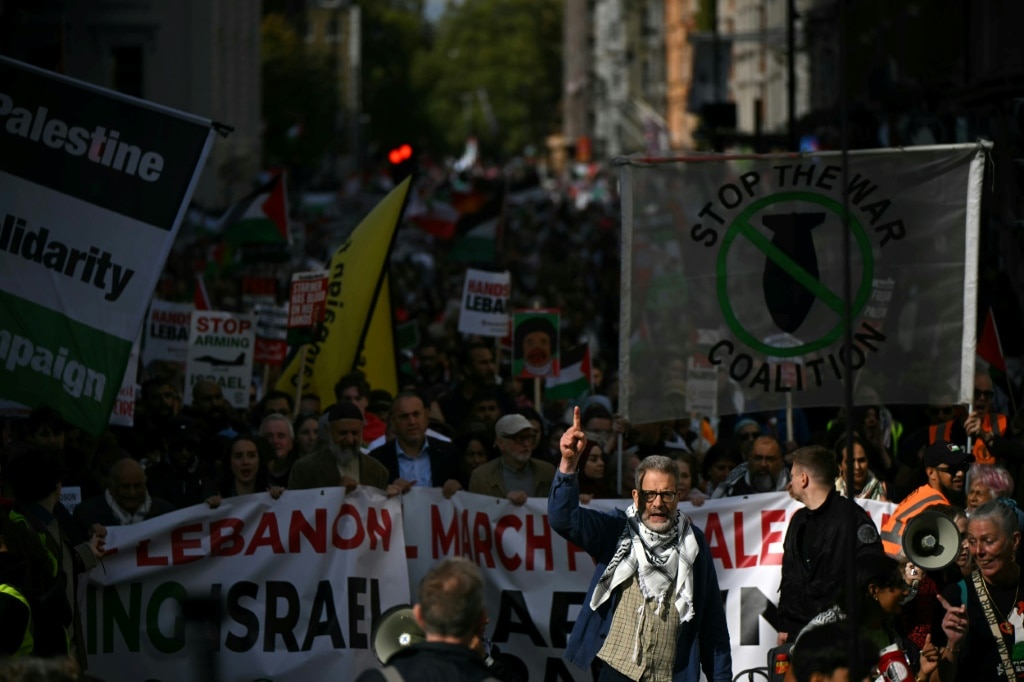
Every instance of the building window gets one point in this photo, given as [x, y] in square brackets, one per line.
[126, 70]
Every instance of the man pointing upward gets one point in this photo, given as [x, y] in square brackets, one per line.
[653, 610]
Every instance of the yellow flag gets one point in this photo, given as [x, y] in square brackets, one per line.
[355, 271]
[378, 357]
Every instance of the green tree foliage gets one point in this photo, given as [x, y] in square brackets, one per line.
[706, 15]
[299, 98]
[505, 53]
[394, 35]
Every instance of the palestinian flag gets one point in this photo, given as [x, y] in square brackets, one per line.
[433, 216]
[200, 298]
[989, 347]
[478, 245]
[261, 217]
[573, 381]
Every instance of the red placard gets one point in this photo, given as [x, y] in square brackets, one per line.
[307, 299]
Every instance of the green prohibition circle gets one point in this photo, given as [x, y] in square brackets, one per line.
[741, 227]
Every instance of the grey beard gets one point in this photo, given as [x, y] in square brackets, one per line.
[762, 483]
[343, 455]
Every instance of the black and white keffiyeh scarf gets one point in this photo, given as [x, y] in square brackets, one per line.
[662, 562]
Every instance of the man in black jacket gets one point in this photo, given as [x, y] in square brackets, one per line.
[412, 458]
[125, 501]
[452, 614]
[816, 551]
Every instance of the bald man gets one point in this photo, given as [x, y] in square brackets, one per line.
[125, 501]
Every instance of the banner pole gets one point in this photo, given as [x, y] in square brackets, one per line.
[789, 418]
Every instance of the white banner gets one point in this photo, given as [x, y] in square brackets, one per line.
[536, 582]
[752, 249]
[276, 565]
[167, 327]
[300, 580]
[485, 300]
[220, 348]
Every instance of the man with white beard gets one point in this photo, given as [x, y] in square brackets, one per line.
[653, 609]
[340, 462]
[763, 472]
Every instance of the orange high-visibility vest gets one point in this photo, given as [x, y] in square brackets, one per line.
[978, 449]
[912, 505]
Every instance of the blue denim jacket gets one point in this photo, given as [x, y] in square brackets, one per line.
[703, 642]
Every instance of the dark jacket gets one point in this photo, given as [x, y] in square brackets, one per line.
[320, 470]
[55, 612]
[444, 463]
[702, 643]
[96, 510]
[433, 662]
[181, 487]
[979, 659]
[816, 556]
[489, 479]
[15, 612]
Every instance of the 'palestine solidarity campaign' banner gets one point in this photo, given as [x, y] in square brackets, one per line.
[737, 263]
[93, 187]
[299, 581]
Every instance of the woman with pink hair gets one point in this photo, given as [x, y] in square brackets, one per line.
[986, 483]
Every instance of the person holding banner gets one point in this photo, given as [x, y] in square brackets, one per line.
[125, 501]
[414, 458]
[653, 610]
[244, 470]
[515, 475]
[339, 463]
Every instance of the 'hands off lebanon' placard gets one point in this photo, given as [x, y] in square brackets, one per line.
[485, 303]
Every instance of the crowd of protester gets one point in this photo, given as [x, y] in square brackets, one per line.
[460, 422]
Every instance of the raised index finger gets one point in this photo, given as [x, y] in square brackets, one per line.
[945, 604]
[576, 417]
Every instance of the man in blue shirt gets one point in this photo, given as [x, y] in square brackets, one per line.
[413, 458]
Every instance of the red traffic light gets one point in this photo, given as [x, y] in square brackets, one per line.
[400, 154]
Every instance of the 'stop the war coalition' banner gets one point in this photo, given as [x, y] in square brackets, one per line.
[746, 254]
[93, 187]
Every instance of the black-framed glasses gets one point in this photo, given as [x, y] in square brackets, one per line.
[984, 394]
[649, 496]
[953, 470]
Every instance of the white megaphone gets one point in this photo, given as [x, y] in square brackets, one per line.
[931, 540]
[394, 630]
